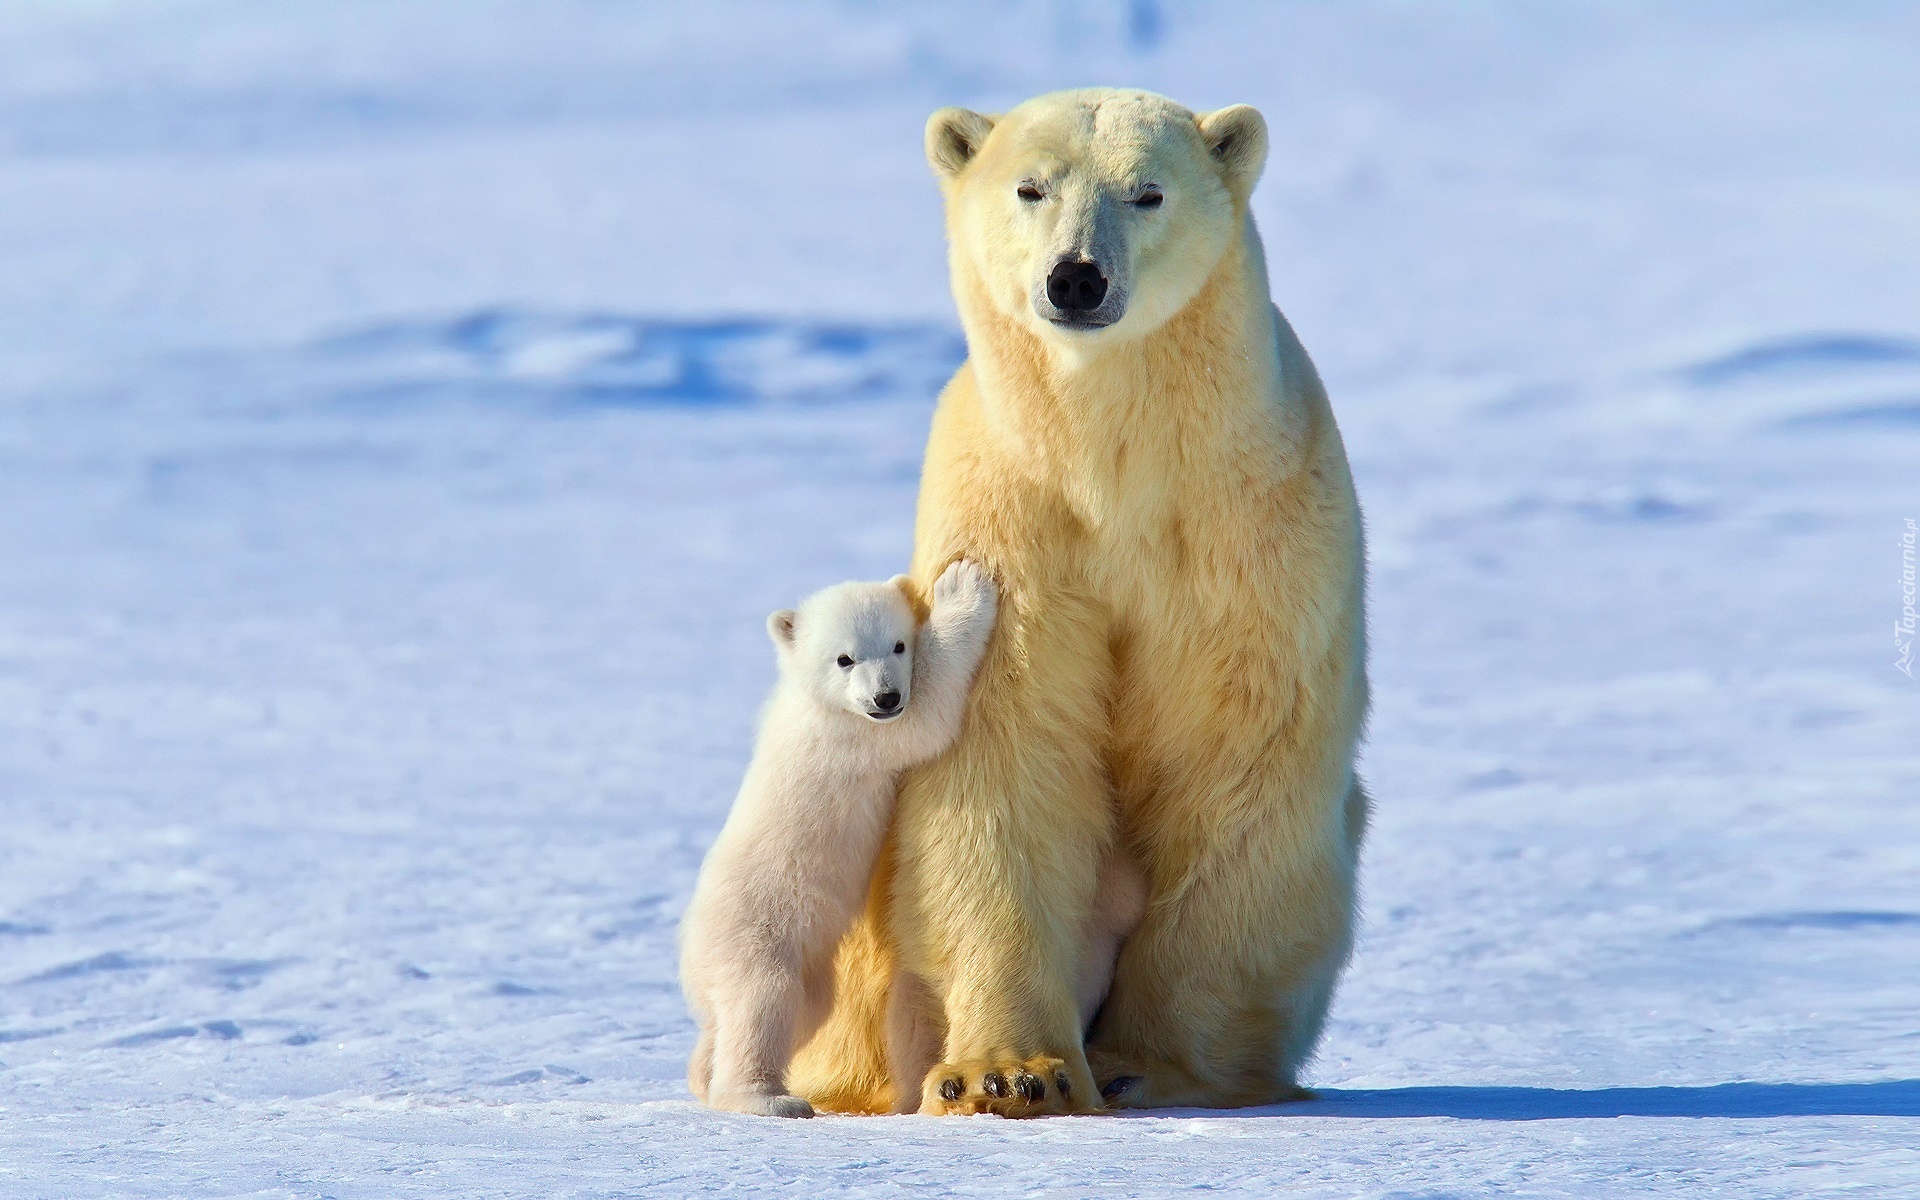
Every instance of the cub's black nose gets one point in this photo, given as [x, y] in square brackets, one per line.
[1076, 287]
[887, 701]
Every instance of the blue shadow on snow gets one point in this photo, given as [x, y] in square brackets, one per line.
[1890, 1098]
[608, 360]
[1812, 353]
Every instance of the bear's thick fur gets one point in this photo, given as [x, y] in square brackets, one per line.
[1153, 475]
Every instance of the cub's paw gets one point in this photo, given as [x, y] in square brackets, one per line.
[966, 585]
[1033, 1087]
[761, 1104]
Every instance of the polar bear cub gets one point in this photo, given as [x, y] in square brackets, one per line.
[864, 693]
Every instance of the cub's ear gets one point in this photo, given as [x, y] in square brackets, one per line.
[780, 628]
[954, 137]
[1236, 137]
[911, 591]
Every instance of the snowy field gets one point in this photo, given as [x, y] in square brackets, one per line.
[409, 412]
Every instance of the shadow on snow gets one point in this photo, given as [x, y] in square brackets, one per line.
[1891, 1098]
[601, 360]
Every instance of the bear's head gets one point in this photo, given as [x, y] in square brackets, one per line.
[850, 647]
[1094, 215]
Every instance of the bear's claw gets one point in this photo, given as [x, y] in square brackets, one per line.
[1033, 1088]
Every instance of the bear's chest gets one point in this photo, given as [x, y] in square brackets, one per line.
[1196, 559]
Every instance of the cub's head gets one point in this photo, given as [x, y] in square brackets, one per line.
[851, 647]
[1096, 214]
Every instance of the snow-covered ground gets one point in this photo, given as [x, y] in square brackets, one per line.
[408, 413]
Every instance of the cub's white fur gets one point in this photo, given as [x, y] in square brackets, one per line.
[864, 693]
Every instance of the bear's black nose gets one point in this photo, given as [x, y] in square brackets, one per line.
[887, 701]
[1076, 287]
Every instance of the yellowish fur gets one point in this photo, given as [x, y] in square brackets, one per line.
[1178, 672]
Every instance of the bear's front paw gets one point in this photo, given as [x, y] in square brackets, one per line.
[1033, 1087]
[966, 585]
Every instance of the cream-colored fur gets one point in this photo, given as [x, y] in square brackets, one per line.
[864, 693]
[1178, 677]
[913, 1036]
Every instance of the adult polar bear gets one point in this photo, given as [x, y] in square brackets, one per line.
[1140, 451]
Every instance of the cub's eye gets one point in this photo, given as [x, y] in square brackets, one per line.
[1030, 193]
[1148, 198]
[844, 662]
[899, 647]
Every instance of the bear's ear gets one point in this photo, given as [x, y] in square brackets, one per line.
[1236, 137]
[780, 627]
[912, 592]
[954, 136]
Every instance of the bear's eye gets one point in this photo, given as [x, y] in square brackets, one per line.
[1030, 192]
[899, 647]
[844, 661]
[1149, 197]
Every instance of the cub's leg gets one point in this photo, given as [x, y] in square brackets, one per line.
[754, 1023]
[997, 847]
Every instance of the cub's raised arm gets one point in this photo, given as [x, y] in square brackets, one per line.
[946, 655]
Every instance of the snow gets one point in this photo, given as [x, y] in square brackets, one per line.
[408, 414]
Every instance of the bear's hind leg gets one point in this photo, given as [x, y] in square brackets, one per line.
[1119, 902]
[1255, 940]
[913, 1038]
[700, 1066]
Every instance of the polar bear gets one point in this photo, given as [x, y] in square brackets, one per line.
[864, 693]
[1141, 452]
